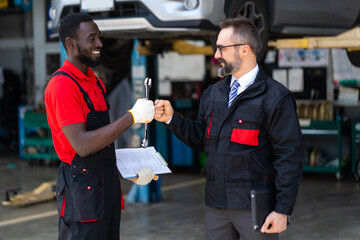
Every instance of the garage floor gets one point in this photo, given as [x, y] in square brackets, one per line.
[326, 208]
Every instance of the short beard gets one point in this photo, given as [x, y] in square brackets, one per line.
[229, 68]
[222, 72]
[88, 61]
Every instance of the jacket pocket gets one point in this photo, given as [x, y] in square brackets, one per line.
[245, 136]
[246, 129]
[88, 198]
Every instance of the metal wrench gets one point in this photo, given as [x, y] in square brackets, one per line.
[147, 84]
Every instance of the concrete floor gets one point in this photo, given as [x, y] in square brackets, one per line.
[326, 208]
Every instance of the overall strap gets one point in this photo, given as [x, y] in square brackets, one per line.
[85, 95]
[103, 93]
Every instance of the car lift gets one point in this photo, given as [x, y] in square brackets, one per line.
[349, 40]
[179, 46]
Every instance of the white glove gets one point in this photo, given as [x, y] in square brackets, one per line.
[143, 111]
[145, 175]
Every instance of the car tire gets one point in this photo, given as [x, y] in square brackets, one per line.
[255, 11]
[354, 57]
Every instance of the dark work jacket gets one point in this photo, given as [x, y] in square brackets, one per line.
[255, 143]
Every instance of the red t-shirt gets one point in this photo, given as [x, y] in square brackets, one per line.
[65, 105]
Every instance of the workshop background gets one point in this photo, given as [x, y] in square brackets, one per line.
[312, 47]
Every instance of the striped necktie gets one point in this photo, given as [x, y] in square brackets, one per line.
[233, 92]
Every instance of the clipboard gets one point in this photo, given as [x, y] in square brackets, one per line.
[129, 160]
[262, 204]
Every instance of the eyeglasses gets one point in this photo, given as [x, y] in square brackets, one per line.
[222, 47]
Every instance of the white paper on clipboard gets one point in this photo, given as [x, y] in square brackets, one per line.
[129, 160]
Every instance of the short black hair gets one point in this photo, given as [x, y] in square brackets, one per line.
[244, 30]
[70, 24]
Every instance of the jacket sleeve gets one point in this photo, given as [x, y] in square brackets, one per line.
[189, 131]
[288, 149]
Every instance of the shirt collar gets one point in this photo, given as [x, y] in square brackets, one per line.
[79, 74]
[246, 79]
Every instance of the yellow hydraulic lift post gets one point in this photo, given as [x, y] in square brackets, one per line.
[181, 47]
[349, 40]
[184, 47]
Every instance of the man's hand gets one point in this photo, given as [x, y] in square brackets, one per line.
[163, 110]
[277, 221]
[143, 111]
[144, 176]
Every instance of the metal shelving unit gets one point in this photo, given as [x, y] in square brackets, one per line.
[34, 133]
[320, 129]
